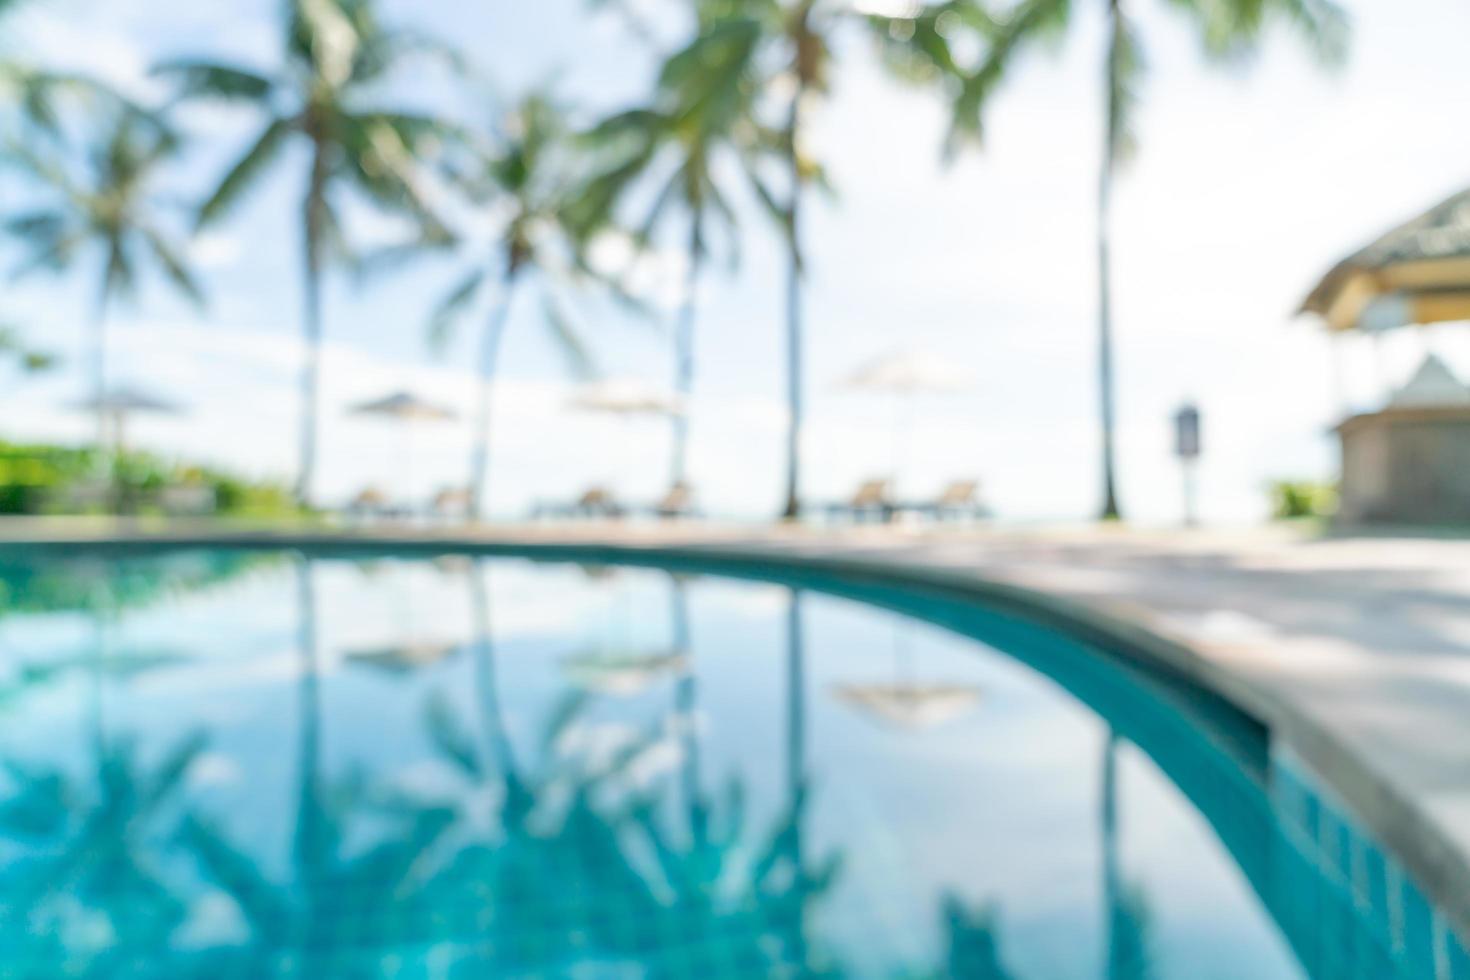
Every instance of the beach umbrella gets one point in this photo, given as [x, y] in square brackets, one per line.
[404, 409]
[1415, 274]
[905, 375]
[120, 403]
[625, 398]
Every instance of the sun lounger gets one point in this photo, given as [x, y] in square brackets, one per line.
[451, 503]
[959, 500]
[678, 502]
[872, 500]
[594, 502]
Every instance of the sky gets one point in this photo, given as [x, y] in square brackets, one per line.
[1250, 181]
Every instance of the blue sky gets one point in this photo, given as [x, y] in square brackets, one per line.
[1248, 184]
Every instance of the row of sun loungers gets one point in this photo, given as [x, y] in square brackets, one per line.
[873, 501]
[599, 502]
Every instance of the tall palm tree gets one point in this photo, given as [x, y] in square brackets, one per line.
[787, 45]
[802, 27]
[335, 56]
[1229, 30]
[701, 113]
[529, 171]
[105, 209]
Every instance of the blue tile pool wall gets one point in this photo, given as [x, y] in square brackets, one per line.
[1348, 908]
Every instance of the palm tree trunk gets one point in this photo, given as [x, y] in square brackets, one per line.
[684, 357]
[313, 227]
[485, 401]
[99, 369]
[1110, 509]
[792, 508]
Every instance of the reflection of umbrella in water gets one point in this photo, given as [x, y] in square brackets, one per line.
[910, 706]
[624, 398]
[621, 674]
[405, 409]
[405, 656]
[905, 374]
[402, 658]
[905, 702]
[116, 405]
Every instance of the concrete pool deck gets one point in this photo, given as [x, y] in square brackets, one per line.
[1354, 650]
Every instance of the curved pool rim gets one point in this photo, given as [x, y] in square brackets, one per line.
[1437, 865]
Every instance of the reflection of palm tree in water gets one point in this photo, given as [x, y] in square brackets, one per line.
[88, 890]
[334, 903]
[1125, 907]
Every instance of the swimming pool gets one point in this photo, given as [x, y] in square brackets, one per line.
[255, 763]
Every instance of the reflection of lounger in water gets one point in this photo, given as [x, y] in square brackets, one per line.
[620, 674]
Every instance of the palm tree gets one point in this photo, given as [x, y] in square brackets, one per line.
[336, 53]
[529, 172]
[802, 27]
[1229, 29]
[784, 49]
[104, 209]
[701, 112]
[793, 38]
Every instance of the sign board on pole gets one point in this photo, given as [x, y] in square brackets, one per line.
[1186, 433]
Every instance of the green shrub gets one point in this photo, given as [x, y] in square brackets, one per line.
[38, 478]
[1292, 499]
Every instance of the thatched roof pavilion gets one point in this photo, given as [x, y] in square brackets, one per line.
[1417, 273]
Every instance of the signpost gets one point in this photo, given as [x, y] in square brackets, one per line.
[1187, 448]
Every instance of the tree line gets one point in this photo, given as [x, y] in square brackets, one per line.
[731, 103]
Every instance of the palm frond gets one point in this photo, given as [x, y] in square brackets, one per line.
[567, 337]
[242, 176]
[173, 265]
[381, 160]
[455, 302]
[393, 258]
[325, 39]
[1010, 34]
[120, 273]
[1233, 29]
[194, 79]
[52, 255]
[36, 226]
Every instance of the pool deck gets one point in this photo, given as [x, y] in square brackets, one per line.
[1355, 650]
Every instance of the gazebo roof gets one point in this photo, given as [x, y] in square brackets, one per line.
[1418, 272]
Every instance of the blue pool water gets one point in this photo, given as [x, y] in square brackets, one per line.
[248, 764]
